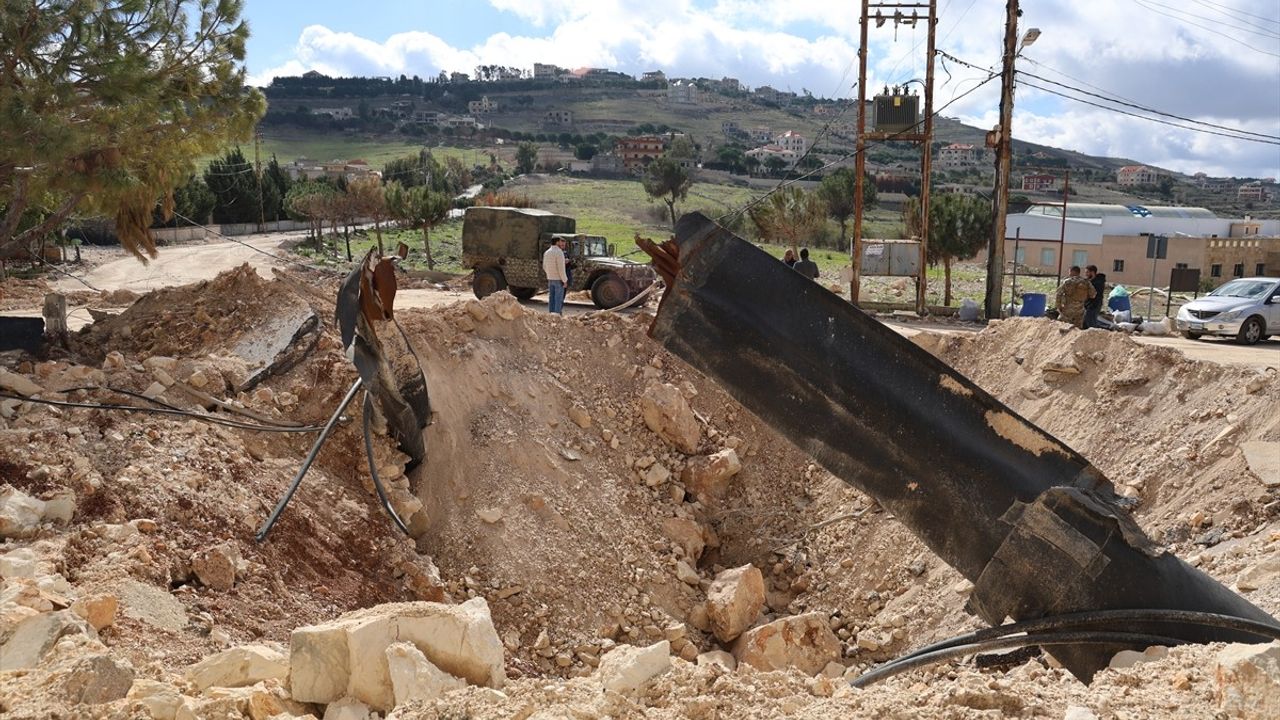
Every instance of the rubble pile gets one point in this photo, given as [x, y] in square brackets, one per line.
[598, 530]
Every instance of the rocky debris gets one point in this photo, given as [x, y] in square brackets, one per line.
[239, 667]
[414, 677]
[686, 574]
[1259, 574]
[266, 700]
[1263, 458]
[216, 566]
[1078, 712]
[667, 413]
[19, 384]
[34, 636]
[707, 476]
[1248, 681]
[804, 642]
[579, 416]
[726, 662]
[734, 601]
[99, 610]
[629, 669]
[22, 515]
[347, 657]
[98, 679]
[1128, 658]
[161, 700]
[686, 534]
[655, 475]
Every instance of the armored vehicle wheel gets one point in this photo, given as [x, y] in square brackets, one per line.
[488, 281]
[523, 293]
[609, 290]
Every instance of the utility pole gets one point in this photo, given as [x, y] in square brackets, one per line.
[859, 161]
[257, 162]
[1003, 142]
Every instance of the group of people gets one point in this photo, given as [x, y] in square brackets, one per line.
[1079, 299]
[804, 265]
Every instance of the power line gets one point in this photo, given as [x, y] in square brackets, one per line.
[1228, 10]
[1207, 29]
[1248, 27]
[1150, 110]
[1151, 119]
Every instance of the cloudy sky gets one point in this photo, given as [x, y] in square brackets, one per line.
[1214, 61]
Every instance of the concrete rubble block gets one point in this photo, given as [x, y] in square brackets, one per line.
[685, 533]
[268, 700]
[1248, 681]
[667, 413]
[239, 667]
[1129, 658]
[347, 657]
[1259, 574]
[414, 677]
[804, 642]
[723, 661]
[19, 563]
[1264, 460]
[161, 700]
[216, 566]
[708, 476]
[20, 514]
[33, 637]
[629, 669]
[99, 610]
[59, 506]
[96, 680]
[734, 601]
[347, 709]
[19, 384]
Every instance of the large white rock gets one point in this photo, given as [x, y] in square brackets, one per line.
[20, 514]
[707, 476]
[239, 667]
[18, 384]
[1249, 681]
[627, 668]
[804, 642]
[734, 601]
[668, 414]
[162, 700]
[33, 637]
[1259, 574]
[20, 563]
[347, 657]
[1263, 458]
[347, 709]
[414, 677]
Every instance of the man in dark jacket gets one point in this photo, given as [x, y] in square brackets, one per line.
[1094, 305]
[806, 267]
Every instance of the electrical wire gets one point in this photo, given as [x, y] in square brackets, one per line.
[1252, 29]
[373, 466]
[260, 251]
[162, 411]
[1225, 10]
[1147, 109]
[1151, 119]
[1207, 29]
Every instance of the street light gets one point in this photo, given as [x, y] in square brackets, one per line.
[1029, 38]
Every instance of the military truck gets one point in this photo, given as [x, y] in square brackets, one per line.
[504, 246]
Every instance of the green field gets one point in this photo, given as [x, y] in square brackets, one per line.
[288, 146]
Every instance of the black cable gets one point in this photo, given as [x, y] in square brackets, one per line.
[260, 251]
[162, 411]
[1147, 109]
[898, 667]
[1252, 29]
[161, 403]
[1150, 119]
[373, 469]
[1227, 10]
[1202, 27]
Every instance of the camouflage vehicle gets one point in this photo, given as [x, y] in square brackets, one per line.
[504, 247]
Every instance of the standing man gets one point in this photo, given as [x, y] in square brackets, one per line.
[1094, 306]
[1072, 295]
[806, 267]
[557, 276]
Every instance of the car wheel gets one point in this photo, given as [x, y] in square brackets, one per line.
[1191, 335]
[523, 293]
[609, 291]
[487, 281]
[1251, 331]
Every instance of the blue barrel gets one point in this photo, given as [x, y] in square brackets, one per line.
[1119, 303]
[1032, 305]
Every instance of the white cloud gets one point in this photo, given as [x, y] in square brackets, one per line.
[1124, 47]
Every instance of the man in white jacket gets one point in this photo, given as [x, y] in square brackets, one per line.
[557, 276]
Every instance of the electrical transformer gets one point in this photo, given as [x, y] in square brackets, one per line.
[896, 111]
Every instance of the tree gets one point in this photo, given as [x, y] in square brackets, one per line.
[837, 192]
[664, 179]
[585, 151]
[419, 207]
[368, 200]
[775, 164]
[232, 180]
[308, 200]
[959, 226]
[788, 216]
[194, 200]
[108, 105]
[276, 183]
[526, 157]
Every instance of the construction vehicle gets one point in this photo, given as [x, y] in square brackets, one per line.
[503, 246]
[1037, 529]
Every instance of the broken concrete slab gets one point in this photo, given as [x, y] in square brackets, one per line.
[36, 635]
[278, 341]
[628, 669]
[239, 667]
[1263, 458]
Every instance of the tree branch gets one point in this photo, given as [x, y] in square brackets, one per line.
[62, 213]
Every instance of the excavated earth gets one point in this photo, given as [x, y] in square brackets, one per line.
[547, 493]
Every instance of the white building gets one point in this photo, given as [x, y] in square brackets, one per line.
[542, 71]
[483, 106]
[1131, 175]
[342, 113]
[762, 135]
[790, 157]
[792, 141]
[683, 92]
[958, 156]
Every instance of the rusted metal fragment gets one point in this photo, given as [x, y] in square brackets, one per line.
[1030, 521]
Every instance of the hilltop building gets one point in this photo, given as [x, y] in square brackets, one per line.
[683, 92]
[542, 71]
[637, 152]
[960, 156]
[1039, 183]
[1131, 175]
[654, 76]
[483, 106]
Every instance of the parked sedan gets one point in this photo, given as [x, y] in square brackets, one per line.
[1247, 309]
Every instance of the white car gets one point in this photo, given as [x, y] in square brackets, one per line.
[1247, 309]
